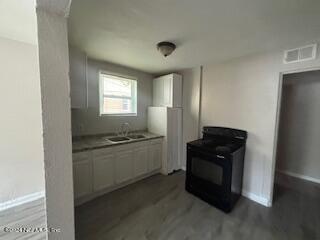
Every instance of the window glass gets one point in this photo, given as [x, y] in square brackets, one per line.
[118, 95]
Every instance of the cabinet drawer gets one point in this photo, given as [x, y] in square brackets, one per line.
[102, 152]
[138, 144]
[123, 147]
[156, 141]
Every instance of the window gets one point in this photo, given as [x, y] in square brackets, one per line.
[118, 95]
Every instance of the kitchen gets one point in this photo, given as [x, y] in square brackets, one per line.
[161, 120]
[206, 97]
[122, 127]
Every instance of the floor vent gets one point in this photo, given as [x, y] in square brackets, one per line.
[301, 54]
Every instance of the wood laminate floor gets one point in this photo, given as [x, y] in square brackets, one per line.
[29, 215]
[159, 208]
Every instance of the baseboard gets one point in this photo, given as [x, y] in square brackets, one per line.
[21, 200]
[261, 200]
[296, 175]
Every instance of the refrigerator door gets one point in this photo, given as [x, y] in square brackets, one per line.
[157, 120]
[174, 136]
[168, 122]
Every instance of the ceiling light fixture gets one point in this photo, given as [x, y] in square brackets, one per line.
[166, 48]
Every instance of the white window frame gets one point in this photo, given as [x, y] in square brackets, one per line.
[101, 94]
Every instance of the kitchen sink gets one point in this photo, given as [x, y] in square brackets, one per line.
[118, 139]
[136, 136]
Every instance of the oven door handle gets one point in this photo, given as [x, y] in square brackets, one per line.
[219, 156]
[238, 137]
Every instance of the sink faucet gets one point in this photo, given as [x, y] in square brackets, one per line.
[124, 129]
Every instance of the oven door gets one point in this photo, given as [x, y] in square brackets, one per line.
[208, 174]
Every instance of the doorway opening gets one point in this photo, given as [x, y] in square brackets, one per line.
[297, 166]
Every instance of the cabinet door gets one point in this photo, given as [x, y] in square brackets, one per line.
[176, 96]
[140, 161]
[82, 178]
[103, 172]
[167, 91]
[155, 156]
[158, 92]
[124, 166]
[78, 79]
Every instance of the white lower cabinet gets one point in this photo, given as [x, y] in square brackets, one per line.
[124, 166]
[140, 156]
[96, 171]
[155, 156]
[82, 178]
[103, 169]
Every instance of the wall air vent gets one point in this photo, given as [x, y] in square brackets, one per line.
[301, 54]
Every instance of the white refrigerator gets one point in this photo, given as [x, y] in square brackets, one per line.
[167, 121]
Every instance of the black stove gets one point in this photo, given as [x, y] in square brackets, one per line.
[215, 166]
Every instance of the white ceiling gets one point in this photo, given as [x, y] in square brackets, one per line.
[18, 20]
[126, 31]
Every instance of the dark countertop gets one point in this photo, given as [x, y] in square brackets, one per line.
[87, 143]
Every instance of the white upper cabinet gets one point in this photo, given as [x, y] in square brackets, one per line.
[78, 78]
[167, 91]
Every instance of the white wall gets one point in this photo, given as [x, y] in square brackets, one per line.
[18, 20]
[243, 93]
[88, 121]
[191, 105]
[21, 148]
[299, 129]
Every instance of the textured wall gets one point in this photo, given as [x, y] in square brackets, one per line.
[21, 148]
[88, 121]
[299, 130]
[56, 115]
